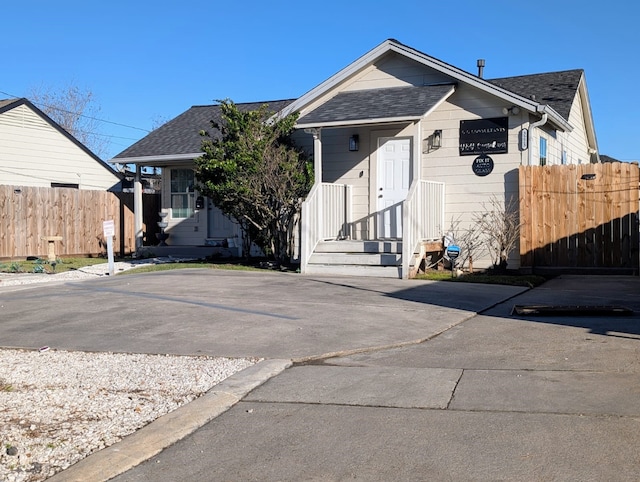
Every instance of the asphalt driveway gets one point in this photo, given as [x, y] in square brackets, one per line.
[234, 313]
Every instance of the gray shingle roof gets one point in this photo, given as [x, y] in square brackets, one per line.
[182, 134]
[370, 104]
[605, 158]
[7, 102]
[557, 89]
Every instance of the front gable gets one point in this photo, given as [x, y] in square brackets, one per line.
[375, 71]
[392, 64]
[582, 140]
[36, 151]
[395, 70]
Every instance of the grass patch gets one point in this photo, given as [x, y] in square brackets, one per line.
[191, 264]
[5, 387]
[40, 265]
[530, 281]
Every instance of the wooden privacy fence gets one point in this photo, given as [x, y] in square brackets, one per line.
[29, 214]
[579, 216]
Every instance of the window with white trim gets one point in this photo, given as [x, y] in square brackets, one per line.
[543, 151]
[182, 193]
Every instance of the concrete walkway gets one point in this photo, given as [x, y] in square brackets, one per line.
[395, 380]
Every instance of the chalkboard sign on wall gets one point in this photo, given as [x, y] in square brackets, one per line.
[484, 136]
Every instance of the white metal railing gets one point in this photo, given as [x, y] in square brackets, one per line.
[336, 201]
[422, 218]
[326, 214]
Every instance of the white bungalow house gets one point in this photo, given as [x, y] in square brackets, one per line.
[35, 151]
[403, 145]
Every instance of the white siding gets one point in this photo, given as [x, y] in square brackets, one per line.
[394, 70]
[34, 153]
[466, 193]
[574, 143]
[577, 145]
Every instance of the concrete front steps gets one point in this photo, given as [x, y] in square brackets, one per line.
[380, 259]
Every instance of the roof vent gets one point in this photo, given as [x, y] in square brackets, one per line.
[480, 67]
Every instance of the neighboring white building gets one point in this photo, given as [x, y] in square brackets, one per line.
[36, 151]
[404, 145]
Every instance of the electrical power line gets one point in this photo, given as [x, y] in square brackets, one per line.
[82, 115]
[97, 134]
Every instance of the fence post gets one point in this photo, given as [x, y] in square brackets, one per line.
[137, 210]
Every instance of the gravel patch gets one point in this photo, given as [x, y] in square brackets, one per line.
[57, 407]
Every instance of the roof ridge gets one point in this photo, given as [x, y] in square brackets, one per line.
[247, 103]
[554, 72]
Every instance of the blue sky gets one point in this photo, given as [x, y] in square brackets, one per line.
[146, 61]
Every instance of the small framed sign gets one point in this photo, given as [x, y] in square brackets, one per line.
[523, 139]
[482, 165]
[108, 228]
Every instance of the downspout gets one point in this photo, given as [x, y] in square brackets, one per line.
[541, 122]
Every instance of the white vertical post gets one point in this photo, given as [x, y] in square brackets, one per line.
[317, 173]
[317, 154]
[109, 229]
[110, 255]
[137, 209]
[417, 152]
[348, 211]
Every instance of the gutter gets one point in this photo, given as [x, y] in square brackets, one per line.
[541, 122]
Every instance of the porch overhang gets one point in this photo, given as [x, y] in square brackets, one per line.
[377, 106]
[186, 160]
[158, 161]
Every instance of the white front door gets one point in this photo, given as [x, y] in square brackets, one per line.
[394, 179]
[218, 225]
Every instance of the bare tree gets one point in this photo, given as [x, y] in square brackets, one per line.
[500, 224]
[471, 241]
[158, 120]
[76, 111]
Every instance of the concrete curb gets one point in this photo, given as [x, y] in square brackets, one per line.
[168, 429]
